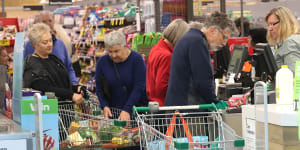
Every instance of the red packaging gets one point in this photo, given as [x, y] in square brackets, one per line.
[239, 41]
[236, 101]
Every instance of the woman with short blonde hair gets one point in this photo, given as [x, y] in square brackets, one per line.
[35, 34]
[44, 71]
[283, 31]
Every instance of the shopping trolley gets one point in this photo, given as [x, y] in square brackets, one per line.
[84, 127]
[168, 130]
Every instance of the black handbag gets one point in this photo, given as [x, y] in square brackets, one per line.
[104, 88]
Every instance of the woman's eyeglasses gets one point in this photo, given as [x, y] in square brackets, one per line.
[273, 24]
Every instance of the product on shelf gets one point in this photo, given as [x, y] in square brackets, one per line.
[173, 9]
[143, 43]
[8, 28]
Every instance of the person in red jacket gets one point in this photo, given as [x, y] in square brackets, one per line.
[159, 61]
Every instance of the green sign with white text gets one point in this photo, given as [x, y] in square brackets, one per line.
[297, 81]
[49, 106]
[297, 90]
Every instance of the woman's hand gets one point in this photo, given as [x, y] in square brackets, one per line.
[81, 90]
[77, 98]
[124, 116]
[107, 112]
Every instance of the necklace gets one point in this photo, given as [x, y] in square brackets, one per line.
[38, 55]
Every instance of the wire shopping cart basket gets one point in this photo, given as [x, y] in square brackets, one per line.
[84, 127]
[169, 130]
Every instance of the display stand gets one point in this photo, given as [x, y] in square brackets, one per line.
[18, 76]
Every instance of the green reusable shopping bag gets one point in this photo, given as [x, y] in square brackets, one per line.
[148, 39]
[138, 40]
[156, 37]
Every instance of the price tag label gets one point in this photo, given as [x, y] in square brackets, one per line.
[4, 42]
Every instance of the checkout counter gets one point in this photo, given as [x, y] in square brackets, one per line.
[282, 127]
[282, 119]
[12, 137]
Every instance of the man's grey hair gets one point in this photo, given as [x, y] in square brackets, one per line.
[196, 25]
[115, 38]
[219, 20]
[37, 31]
[45, 12]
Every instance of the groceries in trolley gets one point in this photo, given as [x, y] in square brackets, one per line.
[95, 133]
[85, 127]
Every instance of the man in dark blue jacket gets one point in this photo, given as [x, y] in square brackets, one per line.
[191, 77]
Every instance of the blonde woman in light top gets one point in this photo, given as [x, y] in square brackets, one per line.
[283, 32]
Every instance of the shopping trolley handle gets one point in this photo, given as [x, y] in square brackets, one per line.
[154, 107]
[211, 107]
[139, 109]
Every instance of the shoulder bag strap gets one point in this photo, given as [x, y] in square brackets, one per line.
[118, 75]
[44, 66]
